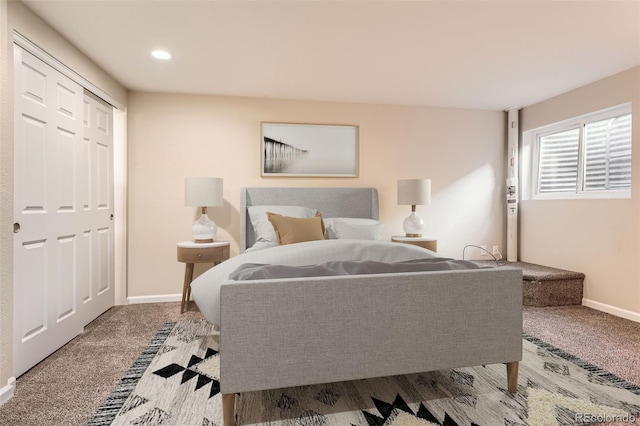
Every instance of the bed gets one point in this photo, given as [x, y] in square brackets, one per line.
[278, 333]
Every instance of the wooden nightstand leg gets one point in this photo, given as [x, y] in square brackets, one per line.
[186, 289]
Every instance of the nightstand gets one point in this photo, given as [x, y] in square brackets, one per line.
[430, 243]
[192, 253]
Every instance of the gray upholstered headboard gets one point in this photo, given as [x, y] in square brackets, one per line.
[330, 202]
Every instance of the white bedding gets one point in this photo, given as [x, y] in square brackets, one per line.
[206, 288]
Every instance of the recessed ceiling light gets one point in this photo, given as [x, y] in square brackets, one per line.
[161, 54]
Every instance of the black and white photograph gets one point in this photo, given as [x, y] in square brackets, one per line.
[321, 150]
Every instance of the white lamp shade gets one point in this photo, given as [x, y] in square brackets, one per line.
[414, 192]
[203, 192]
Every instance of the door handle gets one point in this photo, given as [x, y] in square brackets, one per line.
[16, 228]
[111, 216]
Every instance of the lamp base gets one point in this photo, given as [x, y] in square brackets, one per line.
[413, 235]
[208, 240]
[413, 225]
[204, 230]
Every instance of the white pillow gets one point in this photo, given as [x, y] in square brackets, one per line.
[262, 228]
[353, 228]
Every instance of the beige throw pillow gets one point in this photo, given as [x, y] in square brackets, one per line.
[291, 230]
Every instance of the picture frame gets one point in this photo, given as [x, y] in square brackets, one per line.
[308, 150]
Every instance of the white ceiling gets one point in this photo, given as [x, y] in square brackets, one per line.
[461, 54]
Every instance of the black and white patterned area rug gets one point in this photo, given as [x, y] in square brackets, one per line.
[175, 382]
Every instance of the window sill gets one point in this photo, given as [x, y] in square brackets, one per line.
[607, 195]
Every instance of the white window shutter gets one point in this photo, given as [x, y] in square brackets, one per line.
[558, 164]
[608, 154]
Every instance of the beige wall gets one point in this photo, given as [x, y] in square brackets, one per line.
[175, 136]
[597, 237]
[15, 16]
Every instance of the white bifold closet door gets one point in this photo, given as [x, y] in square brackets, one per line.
[63, 209]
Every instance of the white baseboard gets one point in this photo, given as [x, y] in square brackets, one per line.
[6, 393]
[619, 312]
[155, 299]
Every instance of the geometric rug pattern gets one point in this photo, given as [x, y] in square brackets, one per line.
[175, 382]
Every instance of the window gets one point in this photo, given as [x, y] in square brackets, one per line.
[587, 156]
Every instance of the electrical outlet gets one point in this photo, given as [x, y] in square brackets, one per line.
[483, 252]
[496, 250]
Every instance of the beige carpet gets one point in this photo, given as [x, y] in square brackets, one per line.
[607, 341]
[179, 385]
[68, 387]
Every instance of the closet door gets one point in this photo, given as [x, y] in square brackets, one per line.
[95, 180]
[62, 243]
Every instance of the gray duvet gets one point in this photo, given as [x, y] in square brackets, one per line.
[206, 288]
[262, 271]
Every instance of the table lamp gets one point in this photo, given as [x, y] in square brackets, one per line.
[414, 192]
[203, 192]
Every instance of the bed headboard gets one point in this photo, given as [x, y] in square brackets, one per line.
[330, 202]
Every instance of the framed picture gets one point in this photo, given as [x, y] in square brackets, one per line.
[309, 150]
